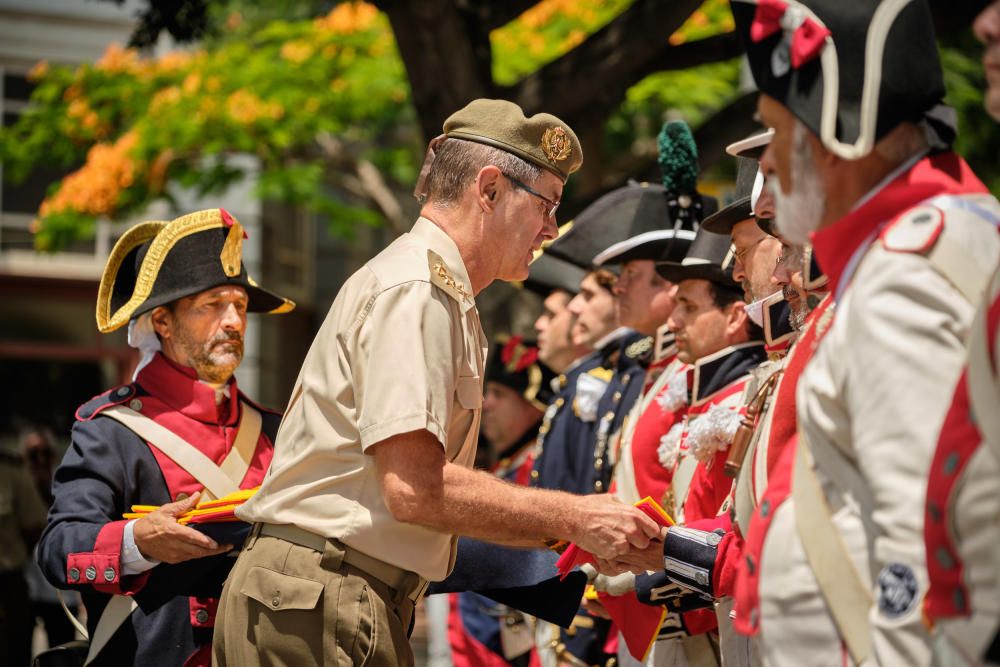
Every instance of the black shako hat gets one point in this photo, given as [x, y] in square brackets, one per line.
[709, 258]
[514, 363]
[666, 216]
[155, 263]
[850, 71]
[740, 209]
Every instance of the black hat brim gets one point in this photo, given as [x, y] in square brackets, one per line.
[724, 221]
[767, 224]
[713, 273]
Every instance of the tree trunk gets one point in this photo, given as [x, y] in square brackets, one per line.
[447, 56]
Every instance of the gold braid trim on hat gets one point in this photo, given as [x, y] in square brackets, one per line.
[534, 386]
[128, 242]
[163, 242]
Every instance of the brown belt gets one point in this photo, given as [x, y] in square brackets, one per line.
[409, 584]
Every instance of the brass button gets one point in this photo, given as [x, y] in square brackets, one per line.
[276, 600]
[181, 496]
[90, 573]
[109, 574]
[74, 574]
[122, 392]
[201, 616]
[135, 404]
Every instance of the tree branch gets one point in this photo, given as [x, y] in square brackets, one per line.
[447, 57]
[601, 69]
[492, 14]
[372, 185]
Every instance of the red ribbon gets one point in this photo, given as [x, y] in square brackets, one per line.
[767, 19]
[228, 220]
[807, 40]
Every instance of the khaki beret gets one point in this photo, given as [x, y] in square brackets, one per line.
[541, 139]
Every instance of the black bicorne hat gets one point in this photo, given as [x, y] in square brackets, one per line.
[155, 263]
[514, 363]
[709, 258]
[600, 225]
[850, 71]
[548, 273]
[751, 147]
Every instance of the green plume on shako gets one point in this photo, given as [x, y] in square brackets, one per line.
[678, 160]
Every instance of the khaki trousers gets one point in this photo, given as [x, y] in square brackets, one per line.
[285, 604]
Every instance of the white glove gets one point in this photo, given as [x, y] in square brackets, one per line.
[619, 584]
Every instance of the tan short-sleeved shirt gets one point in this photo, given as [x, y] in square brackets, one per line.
[401, 349]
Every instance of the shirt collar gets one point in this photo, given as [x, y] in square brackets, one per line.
[943, 173]
[437, 240]
[180, 389]
[612, 337]
[713, 373]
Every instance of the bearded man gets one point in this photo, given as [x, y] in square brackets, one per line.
[181, 432]
[861, 165]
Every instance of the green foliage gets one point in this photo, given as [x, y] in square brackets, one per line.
[978, 134]
[268, 91]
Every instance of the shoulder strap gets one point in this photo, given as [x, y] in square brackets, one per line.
[681, 483]
[117, 610]
[951, 259]
[984, 388]
[218, 480]
[237, 461]
[846, 596]
[179, 450]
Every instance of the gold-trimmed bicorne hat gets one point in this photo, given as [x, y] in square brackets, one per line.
[155, 263]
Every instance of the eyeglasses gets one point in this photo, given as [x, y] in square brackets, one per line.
[550, 205]
[740, 254]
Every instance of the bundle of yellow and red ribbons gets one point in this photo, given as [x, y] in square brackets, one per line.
[220, 510]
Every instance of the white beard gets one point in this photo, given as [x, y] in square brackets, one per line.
[800, 213]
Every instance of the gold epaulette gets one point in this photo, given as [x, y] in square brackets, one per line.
[442, 277]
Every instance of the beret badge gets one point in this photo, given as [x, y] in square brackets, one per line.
[556, 144]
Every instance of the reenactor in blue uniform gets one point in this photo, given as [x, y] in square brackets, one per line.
[181, 431]
[483, 632]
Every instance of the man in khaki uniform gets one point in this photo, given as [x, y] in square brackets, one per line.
[371, 479]
[860, 163]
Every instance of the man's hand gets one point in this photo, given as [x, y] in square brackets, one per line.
[636, 561]
[160, 537]
[610, 529]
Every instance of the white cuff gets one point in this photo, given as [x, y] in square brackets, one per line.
[133, 562]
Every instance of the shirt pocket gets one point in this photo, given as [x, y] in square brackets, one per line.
[278, 591]
[470, 392]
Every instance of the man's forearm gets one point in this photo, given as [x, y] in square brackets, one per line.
[477, 504]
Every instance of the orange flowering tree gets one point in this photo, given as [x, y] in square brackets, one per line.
[325, 106]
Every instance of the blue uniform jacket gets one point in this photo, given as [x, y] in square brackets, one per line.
[105, 471]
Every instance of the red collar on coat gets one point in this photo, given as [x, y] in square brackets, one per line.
[940, 174]
[179, 387]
